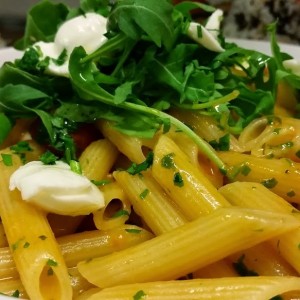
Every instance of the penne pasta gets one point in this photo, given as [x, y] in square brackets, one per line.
[34, 249]
[279, 175]
[131, 147]
[248, 288]
[150, 202]
[288, 244]
[116, 210]
[97, 159]
[194, 194]
[176, 253]
[83, 246]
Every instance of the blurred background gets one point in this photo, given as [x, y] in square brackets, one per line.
[245, 19]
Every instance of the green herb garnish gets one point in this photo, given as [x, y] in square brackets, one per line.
[269, 183]
[52, 263]
[132, 230]
[139, 295]
[138, 168]
[168, 161]
[7, 159]
[242, 269]
[144, 194]
[120, 213]
[48, 158]
[178, 180]
[137, 75]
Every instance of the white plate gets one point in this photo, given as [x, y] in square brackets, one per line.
[9, 54]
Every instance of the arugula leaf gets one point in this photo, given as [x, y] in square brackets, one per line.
[19, 100]
[185, 7]
[6, 126]
[133, 17]
[84, 83]
[99, 6]
[42, 22]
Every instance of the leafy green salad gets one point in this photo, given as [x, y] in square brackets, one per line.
[147, 65]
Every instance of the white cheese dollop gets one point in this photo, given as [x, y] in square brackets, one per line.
[293, 65]
[86, 31]
[57, 189]
[209, 32]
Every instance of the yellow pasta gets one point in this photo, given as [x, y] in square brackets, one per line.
[256, 288]
[179, 180]
[116, 210]
[131, 147]
[260, 197]
[83, 246]
[150, 202]
[157, 209]
[195, 194]
[90, 244]
[272, 137]
[36, 254]
[13, 288]
[176, 253]
[219, 269]
[279, 175]
[97, 159]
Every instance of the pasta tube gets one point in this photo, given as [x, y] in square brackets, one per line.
[116, 210]
[190, 190]
[260, 197]
[149, 201]
[176, 253]
[279, 175]
[252, 288]
[84, 245]
[36, 254]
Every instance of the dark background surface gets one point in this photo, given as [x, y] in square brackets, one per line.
[245, 19]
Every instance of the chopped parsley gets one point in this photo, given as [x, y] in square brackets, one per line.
[7, 159]
[48, 158]
[16, 294]
[132, 230]
[62, 58]
[42, 237]
[277, 130]
[269, 183]
[242, 269]
[16, 245]
[245, 169]
[298, 153]
[20, 149]
[168, 161]
[144, 194]
[26, 245]
[120, 213]
[139, 295]
[138, 168]
[178, 180]
[291, 193]
[101, 182]
[223, 144]
[51, 263]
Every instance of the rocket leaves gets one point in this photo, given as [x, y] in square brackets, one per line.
[152, 18]
[147, 65]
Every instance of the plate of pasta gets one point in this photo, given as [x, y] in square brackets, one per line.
[147, 163]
